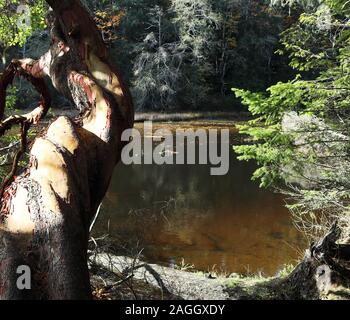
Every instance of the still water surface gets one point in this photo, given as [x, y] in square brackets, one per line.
[181, 212]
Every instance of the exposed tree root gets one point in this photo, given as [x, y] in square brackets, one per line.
[326, 266]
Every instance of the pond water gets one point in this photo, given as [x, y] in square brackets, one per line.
[181, 214]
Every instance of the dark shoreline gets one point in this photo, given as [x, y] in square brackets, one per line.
[174, 116]
[191, 116]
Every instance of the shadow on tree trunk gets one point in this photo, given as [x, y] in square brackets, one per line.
[47, 209]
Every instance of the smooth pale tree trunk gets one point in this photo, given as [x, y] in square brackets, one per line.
[46, 210]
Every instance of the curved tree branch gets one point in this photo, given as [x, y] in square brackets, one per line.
[32, 71]
[9, 178]
[47, 210]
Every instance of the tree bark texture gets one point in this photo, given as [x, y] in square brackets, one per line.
[47, 209]
[326, 266]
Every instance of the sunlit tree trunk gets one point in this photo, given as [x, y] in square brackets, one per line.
[46, 211]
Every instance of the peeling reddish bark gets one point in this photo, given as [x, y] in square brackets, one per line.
[32, 71]
[47, 209]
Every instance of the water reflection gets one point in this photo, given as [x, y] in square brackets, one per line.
[181, 211]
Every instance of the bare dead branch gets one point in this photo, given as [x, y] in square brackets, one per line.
[24, 131]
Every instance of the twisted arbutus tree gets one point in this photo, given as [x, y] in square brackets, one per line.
[46, 210]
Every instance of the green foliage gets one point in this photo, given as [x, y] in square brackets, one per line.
[304, 4]
[11, 98]
[271, 147]
[17, 25]
[189, 54]
[300, 132]
[253, 64]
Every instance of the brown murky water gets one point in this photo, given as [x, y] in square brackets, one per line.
[181, 212]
